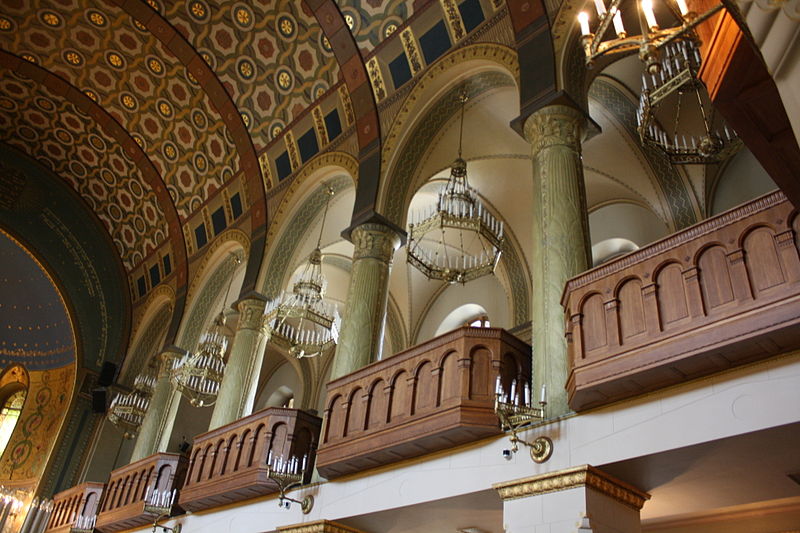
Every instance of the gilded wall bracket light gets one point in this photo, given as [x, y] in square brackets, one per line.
[288, 474]
[515, 411]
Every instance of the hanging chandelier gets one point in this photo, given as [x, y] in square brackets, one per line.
[301, 321]
[127, 410]
[198, 375]
[456, 240]
[652, 38]
[675, 96]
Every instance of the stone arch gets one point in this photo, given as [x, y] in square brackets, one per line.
[148, 340]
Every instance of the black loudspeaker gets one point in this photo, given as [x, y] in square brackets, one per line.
[107, 374]
[99, 400]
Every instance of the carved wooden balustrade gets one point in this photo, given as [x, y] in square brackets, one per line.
[430, 397]
[718, 294]
[80, 503]
[131, 487]
[229, 464]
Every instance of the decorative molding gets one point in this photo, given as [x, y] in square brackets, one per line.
[322, 526]
[376, 79]
[412, 51]
[573, 478]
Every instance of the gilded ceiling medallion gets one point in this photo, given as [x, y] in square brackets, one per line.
[155, 65]
[91, 94]
[198, 10]
[286, 26]
[165, 108]
[96, 18]
[51, 19]
[243, 17]
[128, 101]
[6, 24]
[30, 58]
[115, 60]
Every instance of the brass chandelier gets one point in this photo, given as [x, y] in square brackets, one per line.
[651, 40]
[676, 90]
[457, 239]
[302, 321]
[198, 376]
[127, 410]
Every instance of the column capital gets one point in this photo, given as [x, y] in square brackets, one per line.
[320, 526]
[251, 311]
[555, 125]
[571, 478]
[166, 357]
[374, 241]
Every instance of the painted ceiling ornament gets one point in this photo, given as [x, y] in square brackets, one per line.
[457, 239]
[127, 410]
[198, 375]
[302, 321]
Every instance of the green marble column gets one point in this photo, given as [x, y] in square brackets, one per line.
[237, 394]
[148, 441]
[361, 338]
[560, 239]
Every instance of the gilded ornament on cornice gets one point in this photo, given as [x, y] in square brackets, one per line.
[571, 478]
[454, 21]
[347, 105]
[374, 241]
[266, 174]
[555, 125]
[291, 148]
[376, 79]
[323, 526]
[319, 123]
[412, 50]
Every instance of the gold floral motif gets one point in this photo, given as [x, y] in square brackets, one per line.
[115, 60]
[165, 109]
[412, 50]
[155, 66]
[453, 17]
[344, 96]
[319, 124]
[351, 22]
[73, 58]
[97, 18]
[376, 79]
[198, 10]
[246, 69]
[284, 79]
[286, 26]
[389, 29]
[291, 148]
[29, 58]
[51, 19]
[128, 101]
[266, 174]
[91, 94]
[243, 16]
[5, 24]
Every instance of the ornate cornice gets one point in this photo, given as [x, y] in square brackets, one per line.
[322, 526]
[571, 478]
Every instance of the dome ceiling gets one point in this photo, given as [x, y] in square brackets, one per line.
[36, 329]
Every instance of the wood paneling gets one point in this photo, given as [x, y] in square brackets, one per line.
[439, 394]
[124, 502]
[229, 464]
[81, 500]
[724, 292]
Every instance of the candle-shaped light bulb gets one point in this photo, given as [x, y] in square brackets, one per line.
[543, 397]
[618, 26]
[650, 17]
[583, 19]
[684, 9]
[513, 391]
[600, 6]
[498, 388]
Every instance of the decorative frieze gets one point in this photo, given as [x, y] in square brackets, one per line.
[411, 47]
[319, 124]
[376, 79]
[572, 478]
[453, 17]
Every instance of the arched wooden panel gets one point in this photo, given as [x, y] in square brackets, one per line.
[399, 404]
[243, 450]
[376, 411]
[258, 445]
[164, 479]
[715, 278]
[671, 295]
[480, 372]
[90, 507]
[278, 439]
[425, 390]
[231, 455]
[631, 310]
[762, 260]
[355, 412]
[335, 429]
[449, 379]
[593, 326]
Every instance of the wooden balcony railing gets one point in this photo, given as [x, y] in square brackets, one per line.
[430, 397]
[78, 504]
[131, 487]
[229, 464]
[718, 294]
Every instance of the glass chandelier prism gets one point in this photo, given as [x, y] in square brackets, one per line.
[127, 410]
[302, 321]
[456, 239]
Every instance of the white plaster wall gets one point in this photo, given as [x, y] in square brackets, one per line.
[740, 401]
